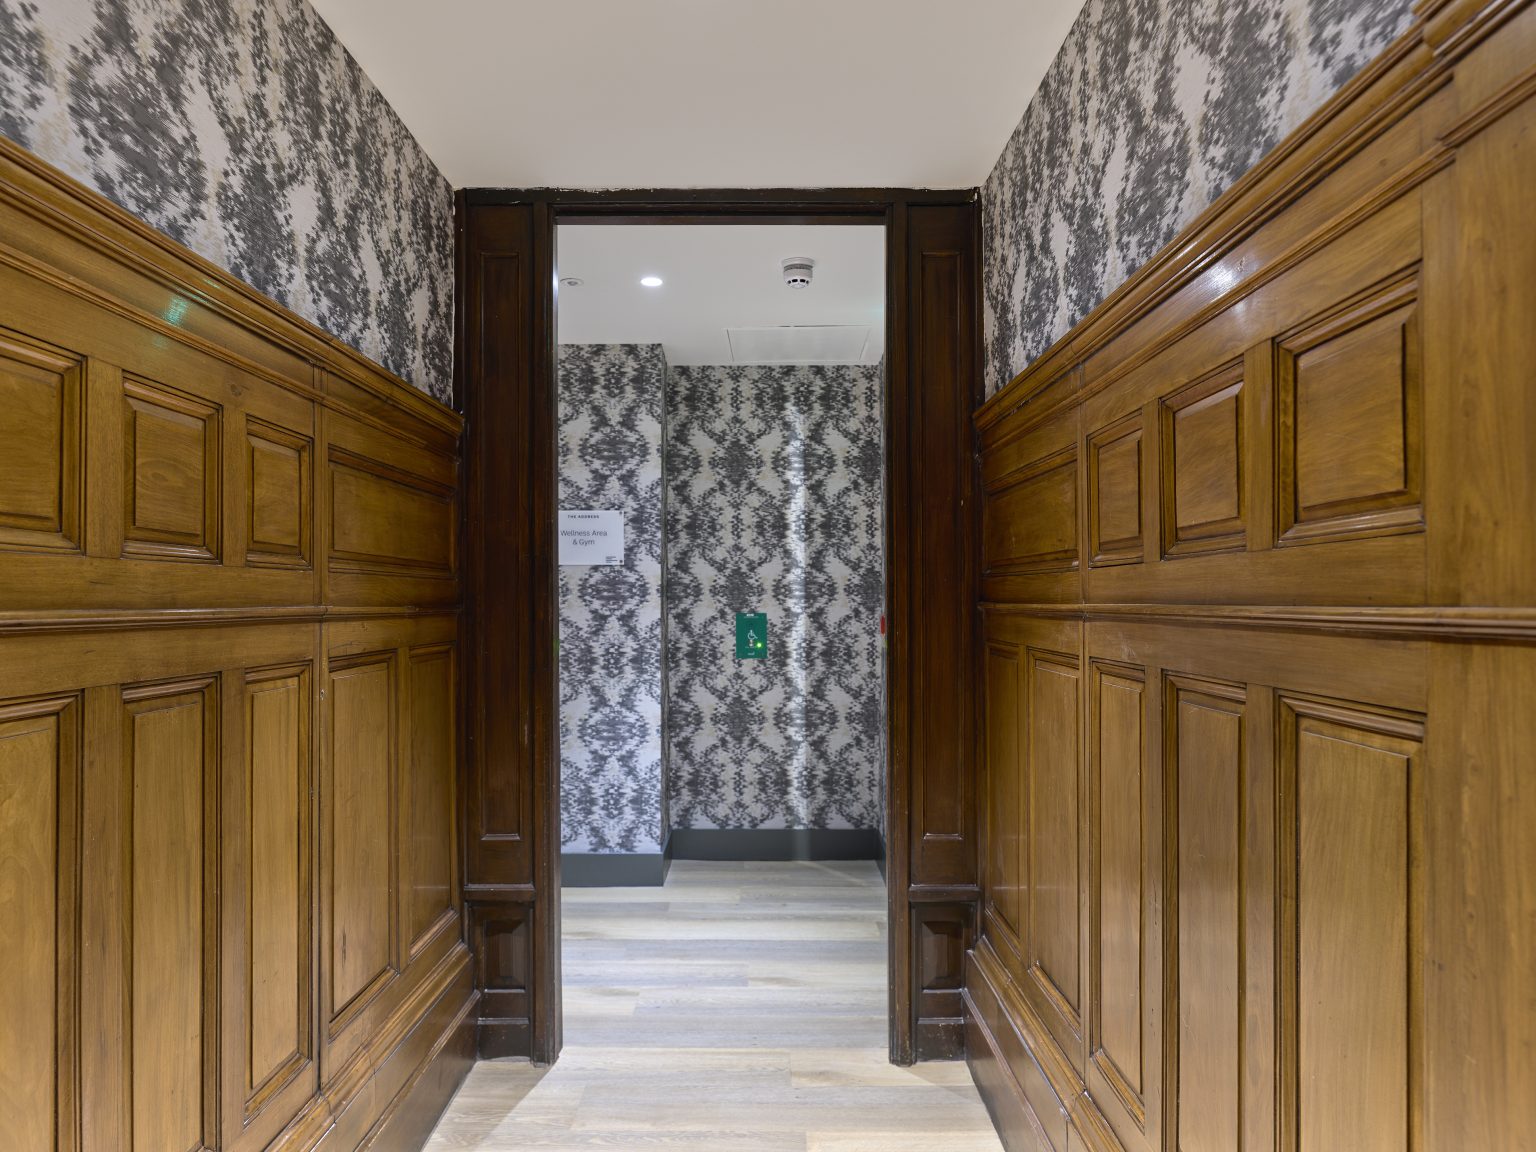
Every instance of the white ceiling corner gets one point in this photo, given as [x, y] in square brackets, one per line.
[707, 93]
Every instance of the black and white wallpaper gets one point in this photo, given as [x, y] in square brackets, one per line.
[612, 632]
[1150, 111]
[244, 130]
[774, 505]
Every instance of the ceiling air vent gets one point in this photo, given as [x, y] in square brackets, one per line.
[800, 344]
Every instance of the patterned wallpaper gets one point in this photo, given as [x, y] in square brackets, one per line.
[612, 632]
[244, 130]
[1151, 110]
[774, 505]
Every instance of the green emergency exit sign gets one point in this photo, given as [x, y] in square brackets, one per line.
[751, 635]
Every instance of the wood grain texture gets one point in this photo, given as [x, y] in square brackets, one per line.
[172, 605]
[1304, 618]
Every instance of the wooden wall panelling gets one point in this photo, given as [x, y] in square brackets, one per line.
[1123, 1073]
[156, 432]
[511, 784]
[1306, 659]
[40, 751]
[1249, 562]
[166, 510]
[1030, 515]
[1480, 915]
[268, 871]
[374, 766]
[934, 662]
[1351, 794]
[392, 519]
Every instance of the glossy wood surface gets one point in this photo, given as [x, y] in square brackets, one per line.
[1261, 880]
[229, 906]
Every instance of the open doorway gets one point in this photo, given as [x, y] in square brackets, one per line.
[721, 525]
[721, 545]
[507, 379]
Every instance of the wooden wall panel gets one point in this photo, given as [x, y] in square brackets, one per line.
[429, 884]
[1115, 532]
[1005, 844]
[1119, 936]
[170, 746]
[39, 797]
[511, 778]
[361, 801]
[180, 637]
[1350, 425]
[40, 458]
[1051, 840]
[171, 470]
[1204, 501]
[280, 893]
[1206, 756]
[279, 509]
[1348, 841]
[1304, 496]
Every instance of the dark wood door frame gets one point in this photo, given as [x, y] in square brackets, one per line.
[505, 384]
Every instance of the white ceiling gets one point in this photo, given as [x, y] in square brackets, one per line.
[707, 93]
[717, 277]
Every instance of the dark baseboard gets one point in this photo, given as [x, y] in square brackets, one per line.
[614, 869]
[775, 844]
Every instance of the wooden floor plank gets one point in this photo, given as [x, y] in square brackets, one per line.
[740, 1008]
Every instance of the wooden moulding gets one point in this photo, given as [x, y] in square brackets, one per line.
[1288, 907]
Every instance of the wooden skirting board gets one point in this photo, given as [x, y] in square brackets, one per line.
[1259, 652]
[229, 720]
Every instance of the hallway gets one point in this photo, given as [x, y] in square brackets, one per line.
[741, 1008]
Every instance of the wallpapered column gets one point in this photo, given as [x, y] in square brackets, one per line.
[774, 505]
[1148, 113]
[611, 624]
[245, 131]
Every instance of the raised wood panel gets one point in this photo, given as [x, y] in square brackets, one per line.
[1029, 518]
[429, 803]
[40, 451]
[1206, 759]
[39, 773]
[361, 802]
[1350, 417]
[163, 922]
[1052, 870]
[279, 911]
[279, 514]
[1005, 841]
[172, 473]
[1348, 1065]
[1331, 628]
[384, 519]
[1119, 892]
[1202, 465]
[170, 746]
[1114, 494]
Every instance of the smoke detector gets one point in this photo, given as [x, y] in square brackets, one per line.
[797, 271]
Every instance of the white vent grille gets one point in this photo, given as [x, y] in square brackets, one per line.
[800, 344]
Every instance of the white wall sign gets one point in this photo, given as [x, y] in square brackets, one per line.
[591, 536]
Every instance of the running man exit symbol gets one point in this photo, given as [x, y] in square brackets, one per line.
[751, 635]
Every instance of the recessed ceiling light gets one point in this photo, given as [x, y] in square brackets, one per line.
[572, 282]
[651, 281]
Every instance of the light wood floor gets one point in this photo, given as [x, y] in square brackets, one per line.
[739, 1009]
